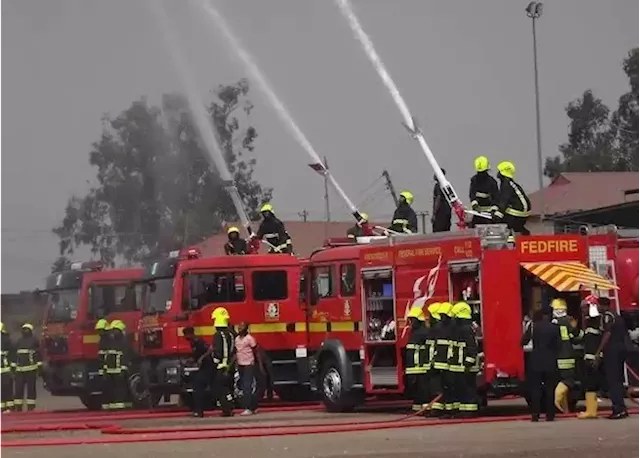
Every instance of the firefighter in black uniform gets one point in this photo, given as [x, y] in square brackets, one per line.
[613, 349]
[566, 354]
[222, 351]
[272, 231]
[468, 359]
[514, 206]
[416, 358]
[543, 370]
[356, 230]
[483, 191]
[204, 374]
[443, 337]
[456, 365]
[235, 244]
[101, 329]
[117, 363]
[441, 217]
[404, 218]
[592, 336]
[28, 364]
[433, 380]
[7, 368]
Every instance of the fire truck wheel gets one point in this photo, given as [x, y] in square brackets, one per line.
[91, 402]
[334, 395]
[140, 395]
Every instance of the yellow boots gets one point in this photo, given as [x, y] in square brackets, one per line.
[591, 406]
[561, 397]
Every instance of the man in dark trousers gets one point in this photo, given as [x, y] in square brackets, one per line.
[514, 206]
[483, 191]
[118, 359]
[235, 244]
[7, 368]
[611, 352]
[222, 351]
[543, 373]
[441, 217]
[28, 364]
[203, 375]
[273, 232]
[591, 338]
[415, 365]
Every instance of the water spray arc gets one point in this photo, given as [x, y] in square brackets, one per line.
[409, 121]
[200, 116]
[248, 61]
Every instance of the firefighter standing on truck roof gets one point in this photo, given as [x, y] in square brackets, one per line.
[468, 358]
[101, 329]
[441, 217]
[221, 351]
[356, 229]
[514, 206]
[416, 358]
[272, 231]
[483, 191]
[592, 336]
[8, 366]
[566, 354]
[28, 364]
[235, 244]
[117, 363]
[404, 218]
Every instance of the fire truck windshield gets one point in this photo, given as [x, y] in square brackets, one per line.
[62, 305]
[157, 295]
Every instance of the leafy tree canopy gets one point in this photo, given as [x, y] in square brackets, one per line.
[599, 140]
[154, 189]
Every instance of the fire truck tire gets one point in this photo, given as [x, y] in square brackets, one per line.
[91, 402]
[335, 396]
[141, 397]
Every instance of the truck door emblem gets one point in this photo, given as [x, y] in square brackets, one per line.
[272, 311]
[347, 308]
[418, 299]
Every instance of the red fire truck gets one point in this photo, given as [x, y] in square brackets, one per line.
[262, 290]
[75, 300]
[359, 295]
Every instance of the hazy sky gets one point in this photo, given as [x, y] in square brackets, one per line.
[464, 67]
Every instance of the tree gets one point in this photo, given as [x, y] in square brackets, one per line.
[60, 264]
[155, 189]
[599, 140]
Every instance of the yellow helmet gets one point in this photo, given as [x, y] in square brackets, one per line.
[507, 169]
[445, 308]
[417, 313]
[266, 208]
[119, 325]
[559, 304]
[461, 310]
[220, 317]
[434, 310]
[28, 326]
[233, 229]
[407, 196]
[364, 217]
[101, 324]
[481, 163]
[2, 329]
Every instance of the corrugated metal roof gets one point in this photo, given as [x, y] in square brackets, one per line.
[574, 192]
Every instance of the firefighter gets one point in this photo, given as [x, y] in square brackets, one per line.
[221, 351]
[592, 336]
[514, 206]
[468, 359]
[28, 364]
[443, 337]
[566, 354]
[483, 191]
[433, 379]
[7, 368]
[404, 218]
[272, 230]
[235, 244]
[456, 364]
[441, 217]
[356, 230]
[116, 366]
[416, 358]
[101, 329]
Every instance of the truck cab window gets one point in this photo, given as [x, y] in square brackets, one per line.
[324, 281]
[106, 299]
[270, 285]
[347, 280]
[215, 288]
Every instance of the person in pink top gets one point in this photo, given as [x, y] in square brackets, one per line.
[248, 363]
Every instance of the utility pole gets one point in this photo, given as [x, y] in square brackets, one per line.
[390, 187]
[423, 218]
[303, 215]
[326, 192]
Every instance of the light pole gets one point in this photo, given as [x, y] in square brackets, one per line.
[534, 11]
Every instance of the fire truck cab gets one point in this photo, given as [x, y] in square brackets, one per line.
[359, 296]
[75, 300]
[261, 290]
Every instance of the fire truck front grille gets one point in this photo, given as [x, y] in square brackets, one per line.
[152, 338]
[56, 345]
